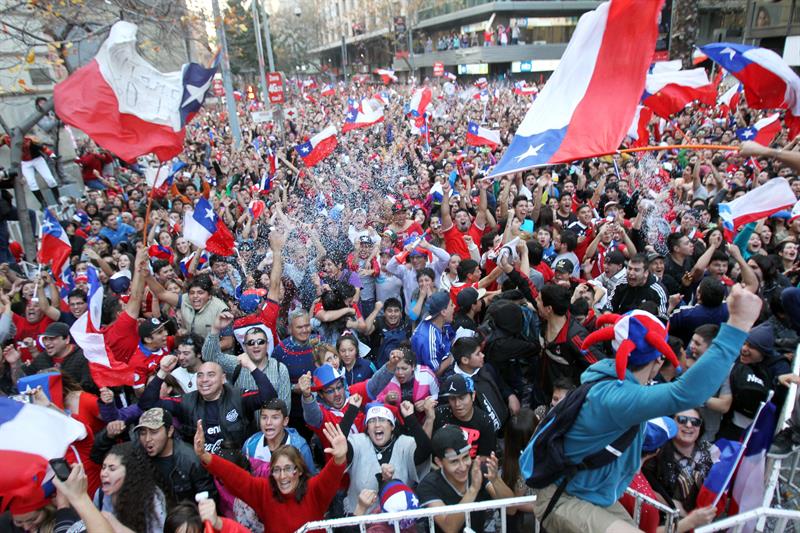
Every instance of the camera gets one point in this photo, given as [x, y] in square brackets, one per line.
[7, 174]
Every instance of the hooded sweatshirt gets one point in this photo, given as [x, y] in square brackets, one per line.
[612, 407]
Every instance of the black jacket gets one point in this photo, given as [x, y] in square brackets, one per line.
[75, 365]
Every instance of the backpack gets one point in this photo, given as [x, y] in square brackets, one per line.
[543, 462]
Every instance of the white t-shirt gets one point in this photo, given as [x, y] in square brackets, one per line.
[188, 380]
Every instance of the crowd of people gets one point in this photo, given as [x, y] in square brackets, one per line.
[392, 326]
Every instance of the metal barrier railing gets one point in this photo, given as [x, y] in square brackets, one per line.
[428, 512]
[672, 515]
[774, 464]
[738, 522]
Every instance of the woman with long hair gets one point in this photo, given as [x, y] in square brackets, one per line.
[128, 495]
[290, 498]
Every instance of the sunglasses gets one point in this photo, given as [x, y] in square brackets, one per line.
[689, 421]
[256, 342]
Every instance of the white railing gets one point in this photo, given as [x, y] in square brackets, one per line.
[738, 522]
[428, 512]
[672, 515]
[772, 496]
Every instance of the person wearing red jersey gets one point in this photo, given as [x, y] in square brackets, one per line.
[154, 344]
[455, 227]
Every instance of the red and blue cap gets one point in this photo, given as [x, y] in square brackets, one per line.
[396, 496]
[325, 375]
[637, 337]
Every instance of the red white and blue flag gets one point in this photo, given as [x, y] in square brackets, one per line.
[719, 477]
[386, 74]
[523, 89]
[729, 100]
[603, 67]
[668, 92]
[318, 147]
[31, 435]
[748, 487]
[203, 228]
[775, 195]
[769, 82]
[105, 369]
[763, 131]
[51, 383]
[639, 131]
[309, 84]
[363, 115]
[479, 136]
[481, 83]
[126, 105]
[202, 262]
[55, 247]
[328, 90]
[419, 102]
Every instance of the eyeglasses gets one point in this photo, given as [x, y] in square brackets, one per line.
[288, 470]
[689, 421]
[334, 389]
[256, 342]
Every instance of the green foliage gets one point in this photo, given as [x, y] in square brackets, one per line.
[241, 38]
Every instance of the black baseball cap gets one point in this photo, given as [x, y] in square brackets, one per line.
[56, 329]
[449, 441]
[615, 257]
[150, 326]
[564, 265]
[457, 385]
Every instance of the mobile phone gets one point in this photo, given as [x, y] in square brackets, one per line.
[60, 467]
[527, 226]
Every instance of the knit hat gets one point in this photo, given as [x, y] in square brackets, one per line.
[397, 496]
[762, 339]
[378, 410]
[637, 337]
[325, 375]
[657, 432]
[249, 302]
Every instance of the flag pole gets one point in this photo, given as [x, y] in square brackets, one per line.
[147, 215]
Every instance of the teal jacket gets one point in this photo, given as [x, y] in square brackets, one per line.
[612, 407]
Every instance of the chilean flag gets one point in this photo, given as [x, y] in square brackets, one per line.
[364, 115]
[386, 74]
[521, 88]
[310, 83]
[729, 100]
[763, 131]
[105, 369]
[328, 90]
[202, 262]
[31, 435]
[718, 478]
[126, 105]
[55, 247]
[639, 131]
[203, 228]
[668, 92]
[603, 68]
[481, 83]
[775, 195]
[748, 487]
[769, 83]
[450, 76]
[50, 382]
[480, 136]
[318, 147]
[419, 102]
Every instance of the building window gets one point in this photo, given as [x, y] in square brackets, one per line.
[40, 76]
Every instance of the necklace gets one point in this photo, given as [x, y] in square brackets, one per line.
[379, 451]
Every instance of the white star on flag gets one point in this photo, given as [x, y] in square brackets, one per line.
[47, 226]
[747, 133]
[530, 152]
[196, 93]
[730, 51]
[210, 214]
[304, 149]
[351, 115]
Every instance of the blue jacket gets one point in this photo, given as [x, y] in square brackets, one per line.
[295, 439]
[612, 407]
[430, 344]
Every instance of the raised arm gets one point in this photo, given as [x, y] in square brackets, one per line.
[140, 272]
[52, 312]
[753, 149]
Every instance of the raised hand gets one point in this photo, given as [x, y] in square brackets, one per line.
[168, 363]
[115, 428]
[304, 384]
[338, 447]
[387, 472]
[355, 400]
[406, 409]
[200, 444]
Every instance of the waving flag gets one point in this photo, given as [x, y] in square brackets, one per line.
[668, 92]
[203, 228]
[310, 84]
[523, 89]
[729, 100]
[603, 68]
[381, 97]
[769, 83]
[202, 262]
[763, 131]
[126, 105]
[450, 76]
[318, 147]
[719, 477]
[386, 74]
[364, 115]
[309, 98]
[773, 196]
[748, 487]
[55, 247]
[31, 435]
[328, 90]
[480, 136]
[419, 102]
[639, 131]
[481, 83]
[51, 383]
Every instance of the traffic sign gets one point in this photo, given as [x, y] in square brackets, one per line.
[275, 87]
